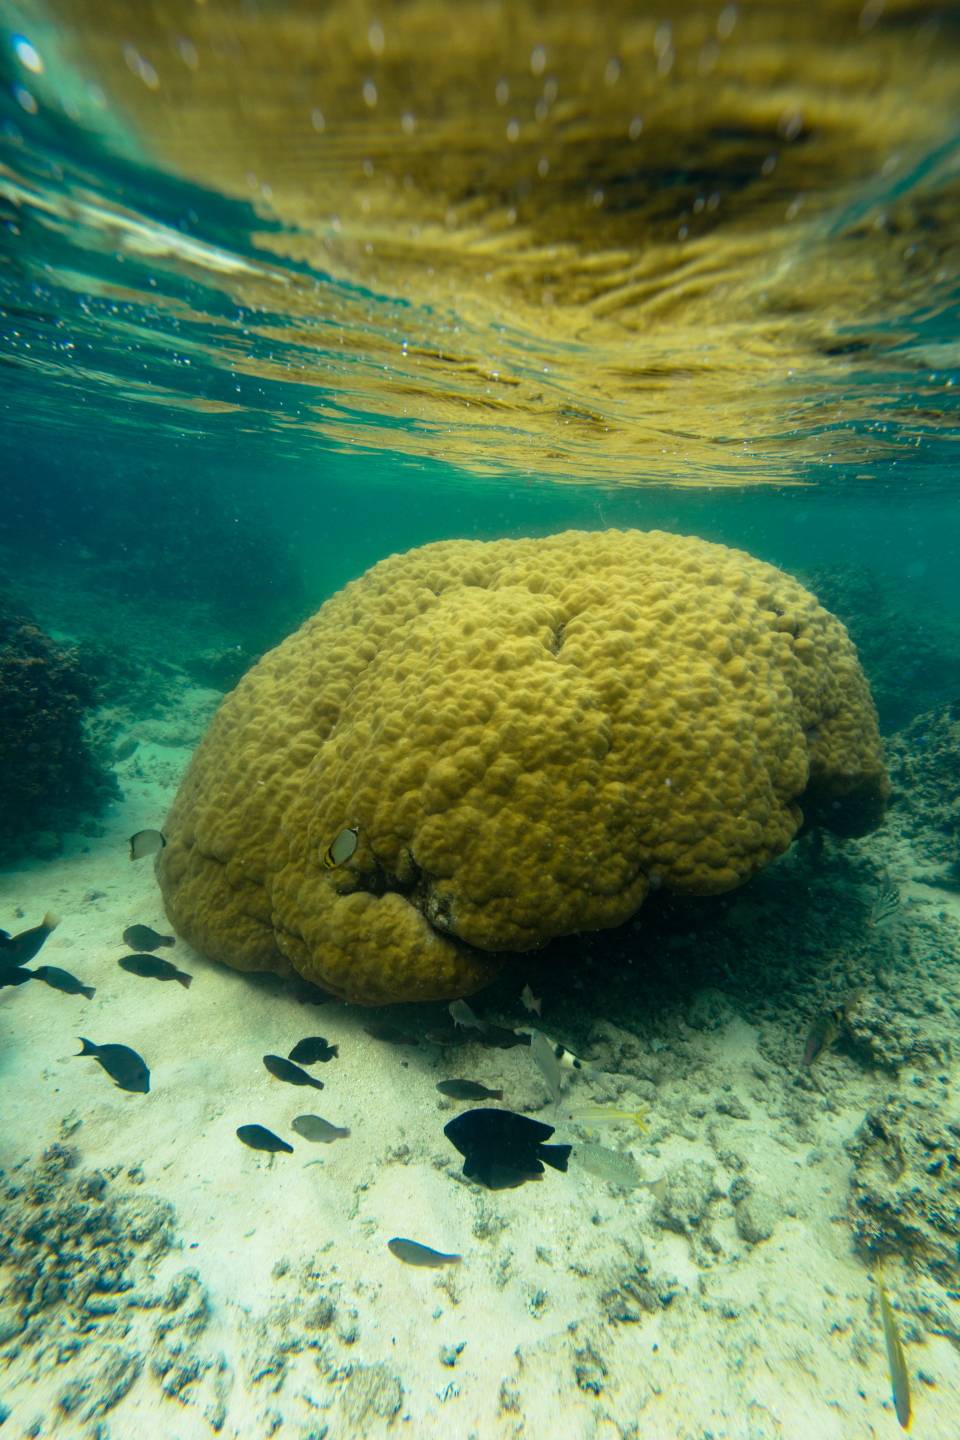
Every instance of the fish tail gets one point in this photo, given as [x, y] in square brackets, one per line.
[555, 1155]
[183, 979]
[496, 1094]
[51, 920]
[335, 1050]
[88, 990]
[88, 1046]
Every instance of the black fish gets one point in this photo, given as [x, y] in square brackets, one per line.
[286, 1070]
[121, 1063]
[502, 1149]
[59, 979]
[390, 1034]
[258, 1137]
[19, 949]
[141, 937]
[151, 967]
[314, 1048]
[16, 975]
[467, 1090]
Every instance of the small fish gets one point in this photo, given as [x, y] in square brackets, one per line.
[467, 1090]
[590, 1115]
[258, 1137]
[152, 967]
[411, 1252]
[543, 1053]
[502, 1149]
[896, 1360]
[20, 949]
[146, 842]
[122, 1064]
[461, 1014]
[59, 979]
[390, 1034]
[286, 1070]
[530, 1001]
[314, 1127]
[141, 937]
[314, 1048]
[821, 1035]
[340, 851]
[16, 975]
[613, 1165]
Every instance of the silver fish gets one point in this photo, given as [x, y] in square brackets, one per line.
[543, 1053]
[146, 842]
[461, 1014]
[411, 1252]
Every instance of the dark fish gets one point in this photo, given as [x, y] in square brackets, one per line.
[314, 1127]
[59, 979]
[467, 1090]
[503, 1039]
[146, 842]
[502, 1149]
[314, 1048]
[151, 967]
[16, 975]
[20, 949]
[390, 1034]
[307, 994]
[258, 1137]
[449, 1038]
[411, 1252]
[141, 937]
[286, 1070]
[122, 1064]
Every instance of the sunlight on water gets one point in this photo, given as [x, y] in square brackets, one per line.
[715, 250]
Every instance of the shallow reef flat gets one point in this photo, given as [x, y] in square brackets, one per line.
[157, 1276]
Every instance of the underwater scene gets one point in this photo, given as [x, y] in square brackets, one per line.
[479, 719]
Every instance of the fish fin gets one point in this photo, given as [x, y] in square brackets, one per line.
[88, 1046]
[555, 1155]
[335, 1050]
[51, 920]
[88, 990]
[4, 937]
[317, 1084]
[182, 978]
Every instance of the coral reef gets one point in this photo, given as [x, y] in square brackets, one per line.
[925, 772]
[910, 655]
[50, 773]
[530, 735]
[905, 1185]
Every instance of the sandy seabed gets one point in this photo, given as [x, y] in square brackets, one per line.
[159, 1278]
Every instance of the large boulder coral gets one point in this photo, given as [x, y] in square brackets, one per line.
[528, 735]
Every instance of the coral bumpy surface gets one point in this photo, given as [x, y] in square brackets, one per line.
[528, 735]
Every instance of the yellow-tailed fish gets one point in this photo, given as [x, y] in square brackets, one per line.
[339, 852]
[598, 1114]
[896, 1361]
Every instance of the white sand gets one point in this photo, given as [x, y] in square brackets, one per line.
[779, 1338]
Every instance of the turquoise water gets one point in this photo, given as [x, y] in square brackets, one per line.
[236, 373]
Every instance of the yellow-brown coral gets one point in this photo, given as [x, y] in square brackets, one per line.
[528, 734]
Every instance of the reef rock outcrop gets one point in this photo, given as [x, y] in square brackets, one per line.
[528, 736]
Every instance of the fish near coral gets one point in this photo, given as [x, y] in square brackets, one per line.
[502, 1149]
